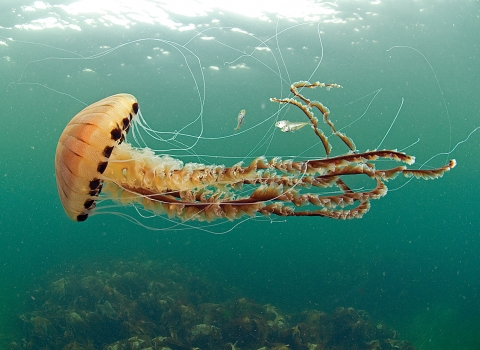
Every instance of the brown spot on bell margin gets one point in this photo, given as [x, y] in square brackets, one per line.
[96, 191]
[82, 217]
[135, 107]
[126, 123]
[89, 204]
[116, 134]
[107, 151]
[94, 184]
[101, 167]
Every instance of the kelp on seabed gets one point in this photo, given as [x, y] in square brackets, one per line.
[144, 304]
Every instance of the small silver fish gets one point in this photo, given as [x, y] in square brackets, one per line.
[240, 118]
[287, 126]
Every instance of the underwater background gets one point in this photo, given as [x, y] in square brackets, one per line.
[411, 262]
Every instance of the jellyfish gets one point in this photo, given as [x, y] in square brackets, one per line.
[94, 160]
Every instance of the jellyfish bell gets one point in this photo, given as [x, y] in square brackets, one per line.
[94, 157]
[84, 149]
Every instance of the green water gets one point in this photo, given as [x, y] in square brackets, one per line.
[411, 262]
